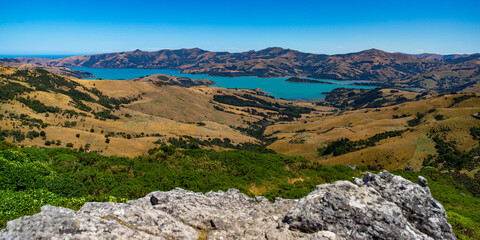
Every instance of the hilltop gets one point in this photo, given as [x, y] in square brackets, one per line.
[56, 70]
[442, 74]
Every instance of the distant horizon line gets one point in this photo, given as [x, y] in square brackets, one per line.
[14, 55]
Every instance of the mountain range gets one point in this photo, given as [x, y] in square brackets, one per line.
[443, 73]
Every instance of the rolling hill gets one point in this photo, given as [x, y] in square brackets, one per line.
[390, 137]
[129, 117]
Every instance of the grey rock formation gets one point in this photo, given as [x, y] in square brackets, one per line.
[409, 168]
[98, 221]
[417, 204]
[381, 206]
[226, 215]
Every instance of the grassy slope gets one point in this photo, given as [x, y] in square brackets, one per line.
[163, 111]
[156, 112]
[304, 139]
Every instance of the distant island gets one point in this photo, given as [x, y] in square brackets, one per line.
[305, 80]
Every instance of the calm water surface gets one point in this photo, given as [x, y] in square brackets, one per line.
[36, 56]
[276, 87]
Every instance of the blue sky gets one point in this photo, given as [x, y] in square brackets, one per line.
[85, 27]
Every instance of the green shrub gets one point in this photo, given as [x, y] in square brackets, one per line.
[66, 187]
[22, 175]
[14, 156]
[463, 227]
[4, 145]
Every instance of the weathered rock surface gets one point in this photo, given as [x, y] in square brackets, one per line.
[379, 206]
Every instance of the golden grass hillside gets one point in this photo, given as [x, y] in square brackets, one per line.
[304, 136]
[122, 117]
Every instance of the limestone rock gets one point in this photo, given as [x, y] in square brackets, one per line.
[225, 215]
[381, 206]
[415, 200]
[98, 221]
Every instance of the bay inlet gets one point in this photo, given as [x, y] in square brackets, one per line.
[276, 87]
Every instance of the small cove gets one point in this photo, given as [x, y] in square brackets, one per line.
[276, 87]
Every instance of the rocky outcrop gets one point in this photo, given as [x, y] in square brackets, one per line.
[382, 206]
[379, 206]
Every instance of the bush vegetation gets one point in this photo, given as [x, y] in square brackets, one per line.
[37, 106]
[416, 121]
[8, 90]
[449, 157]
[345, 145]
[460, 99]
[289, 112]
[188, 142]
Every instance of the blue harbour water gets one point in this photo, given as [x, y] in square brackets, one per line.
[36, 56]
[276, 87]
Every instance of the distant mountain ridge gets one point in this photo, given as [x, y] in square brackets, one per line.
[429, 71]
[56, 70]
[433, 56]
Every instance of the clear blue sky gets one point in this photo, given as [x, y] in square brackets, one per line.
[84, 27]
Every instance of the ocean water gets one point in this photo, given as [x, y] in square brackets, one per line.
[36, 56]
[276, 87]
